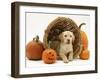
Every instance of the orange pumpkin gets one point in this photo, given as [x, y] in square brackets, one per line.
[49, 56]
[84, 54]
[84, 38]
[34, 49]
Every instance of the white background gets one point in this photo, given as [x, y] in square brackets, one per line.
[36, 24]
[5, 41]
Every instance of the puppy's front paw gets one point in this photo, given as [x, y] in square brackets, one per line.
[70, 59]
[66, 61]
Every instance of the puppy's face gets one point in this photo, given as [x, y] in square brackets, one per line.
[67, 37]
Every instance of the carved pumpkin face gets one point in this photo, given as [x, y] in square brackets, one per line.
[49, 56]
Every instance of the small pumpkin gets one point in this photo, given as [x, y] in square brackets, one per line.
[49, 56]
[85, 54]
[84, 37]
[34, 49]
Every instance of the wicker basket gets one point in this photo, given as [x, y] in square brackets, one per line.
[57, 26]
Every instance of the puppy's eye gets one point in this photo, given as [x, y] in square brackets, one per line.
[65, 35]
[70, 35]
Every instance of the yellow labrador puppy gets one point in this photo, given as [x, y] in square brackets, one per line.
[66, 47]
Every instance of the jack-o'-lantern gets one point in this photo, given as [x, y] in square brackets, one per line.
[49, 56]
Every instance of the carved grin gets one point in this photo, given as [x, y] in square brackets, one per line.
[50, 58]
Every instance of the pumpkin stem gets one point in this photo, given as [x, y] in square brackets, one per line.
[36, 38]
[81, 25]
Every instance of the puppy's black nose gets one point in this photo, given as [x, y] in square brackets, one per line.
[68, 40]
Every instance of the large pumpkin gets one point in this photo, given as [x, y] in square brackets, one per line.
[34, 49]
[49, 56]
[84, 38]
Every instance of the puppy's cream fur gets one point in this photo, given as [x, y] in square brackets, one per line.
[66, 47]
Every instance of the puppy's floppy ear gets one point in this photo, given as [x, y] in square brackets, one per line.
[73, 37]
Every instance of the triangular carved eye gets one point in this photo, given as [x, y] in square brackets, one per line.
[49, 52]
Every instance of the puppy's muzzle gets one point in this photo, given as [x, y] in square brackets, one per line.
[68, 41]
